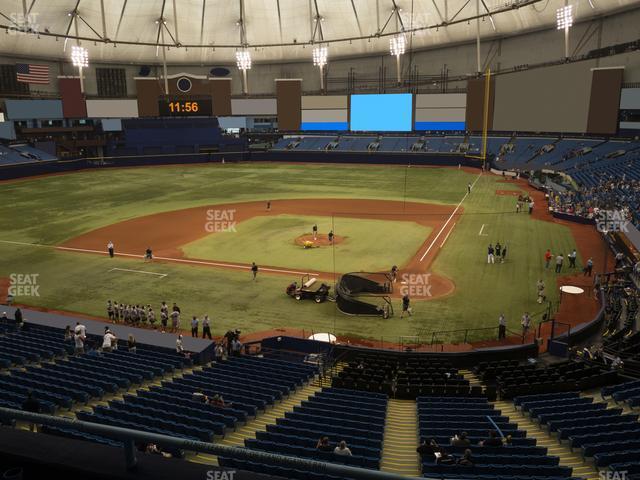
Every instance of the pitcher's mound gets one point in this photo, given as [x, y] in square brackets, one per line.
[320, 241]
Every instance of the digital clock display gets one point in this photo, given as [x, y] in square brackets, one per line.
[185, 107]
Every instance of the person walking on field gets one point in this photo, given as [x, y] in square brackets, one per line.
[559, 262]
[547, 258]
[530, 206]
[526, 323]
[469, 188]
[194, 327]
[314, 229]
[394, 273]
[206, 327]
[490, 252]
[588, 267]
[406, 305]
[110, 249]
[254, 270]
[572, 258]
[542, 295]
[502, 327]
[504, 254]
[268, 205]
[175, 318]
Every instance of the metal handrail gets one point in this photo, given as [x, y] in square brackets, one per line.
[129, 437]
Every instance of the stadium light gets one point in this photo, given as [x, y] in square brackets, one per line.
[397, 45]
[243, 61]
[80, 59]
[320, 55]
[564, 19]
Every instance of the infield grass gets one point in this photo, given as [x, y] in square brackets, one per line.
[367, 245]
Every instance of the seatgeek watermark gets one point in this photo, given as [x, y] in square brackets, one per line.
[24, 285]
[221, 474]
[415, 284]
[612, 221]
[221, 220]
[23, 23]
[618, 475]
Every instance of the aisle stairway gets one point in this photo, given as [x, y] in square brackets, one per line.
[401, 439]
[260, 422]
[474, 381]
[567, 457]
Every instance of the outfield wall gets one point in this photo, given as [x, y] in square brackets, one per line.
[9, 172]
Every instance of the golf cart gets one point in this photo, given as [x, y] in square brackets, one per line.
[309, 288]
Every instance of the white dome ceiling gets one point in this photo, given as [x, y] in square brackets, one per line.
[275, 30]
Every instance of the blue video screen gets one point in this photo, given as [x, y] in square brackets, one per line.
[385, 113]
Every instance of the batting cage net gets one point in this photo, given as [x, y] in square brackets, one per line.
[365, 294]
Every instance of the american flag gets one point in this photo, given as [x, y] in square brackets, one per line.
[32, 73]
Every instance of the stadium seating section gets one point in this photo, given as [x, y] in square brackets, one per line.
[513, 379]
[606, 434]
[22, 153]
[403, 379]
[156, 390]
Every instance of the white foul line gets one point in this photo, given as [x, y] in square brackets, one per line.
[168, 259]
[445, 238]
[162, 275]
[449, 219]
[481, 229]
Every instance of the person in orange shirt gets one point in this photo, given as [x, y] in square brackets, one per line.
[547, 258]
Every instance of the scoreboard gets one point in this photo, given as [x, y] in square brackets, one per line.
[185, 106]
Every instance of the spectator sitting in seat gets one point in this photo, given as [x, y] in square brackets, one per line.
[218, 401]
[466, 459]
[460, 440]
[617, 363]
[426, 450]
[323, 445]
[199, 397]
[492, 441]
[445, 458]
[153, 449]
[342, 449]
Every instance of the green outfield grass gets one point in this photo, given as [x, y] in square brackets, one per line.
[50, 210]
[368, 245]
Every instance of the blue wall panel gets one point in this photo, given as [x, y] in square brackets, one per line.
[112, 124]
[440, 126]
[7, 132]
[328, 126]
[34, 109]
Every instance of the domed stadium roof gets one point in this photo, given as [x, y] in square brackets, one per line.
[211, 31]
